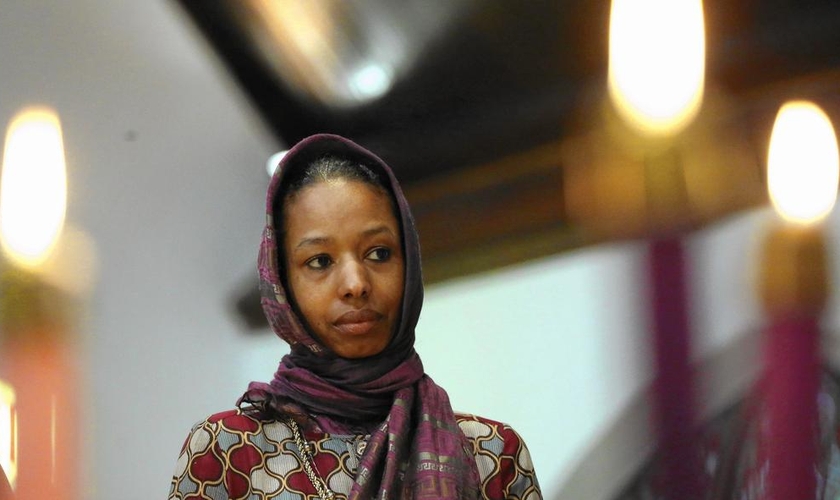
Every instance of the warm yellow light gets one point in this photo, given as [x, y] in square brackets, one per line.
[33, 186]
[802, 163]
[8, 432]
[657, 54]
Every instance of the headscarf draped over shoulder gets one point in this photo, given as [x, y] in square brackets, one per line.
[418, 424]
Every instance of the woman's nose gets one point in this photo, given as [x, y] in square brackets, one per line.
[354, 280]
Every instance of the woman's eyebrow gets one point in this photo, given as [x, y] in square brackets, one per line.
[312, 241]
[383, 229]
[322, 240]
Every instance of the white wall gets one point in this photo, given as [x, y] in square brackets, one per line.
[559, 347]
[166, 174]
[551, 347]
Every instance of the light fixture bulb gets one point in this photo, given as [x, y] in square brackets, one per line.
[33, 186]
[802, 163]
[657, 53]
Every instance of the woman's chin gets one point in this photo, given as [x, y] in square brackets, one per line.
[360, 351]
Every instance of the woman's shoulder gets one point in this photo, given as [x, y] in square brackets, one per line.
[225, 447]
[504, 462]
[474, 426]
[236, 418]
[238, 421]
[494, 437]
[471, 417]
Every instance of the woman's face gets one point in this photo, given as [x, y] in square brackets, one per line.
[345, 265]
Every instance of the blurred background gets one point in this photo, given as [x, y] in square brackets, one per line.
[531, 199]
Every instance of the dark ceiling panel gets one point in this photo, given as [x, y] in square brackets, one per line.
[502, 76]
[488, 78]
[474, 89]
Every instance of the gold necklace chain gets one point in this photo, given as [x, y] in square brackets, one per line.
[309, 462]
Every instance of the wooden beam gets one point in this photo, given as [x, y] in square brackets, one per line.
[491, 215]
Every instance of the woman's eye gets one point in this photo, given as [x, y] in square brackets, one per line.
[318, 262]
[379, 254]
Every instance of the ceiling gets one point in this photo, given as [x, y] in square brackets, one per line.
[488, 110]
[435, 86]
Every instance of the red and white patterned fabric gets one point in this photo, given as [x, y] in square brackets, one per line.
[239, 455]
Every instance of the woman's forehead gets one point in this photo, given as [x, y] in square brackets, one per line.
[333, 206]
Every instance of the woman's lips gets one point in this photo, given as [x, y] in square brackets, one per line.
[357, 322]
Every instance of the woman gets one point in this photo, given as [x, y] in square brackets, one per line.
[350, 412]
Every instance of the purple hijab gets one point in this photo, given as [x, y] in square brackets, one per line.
[418, 424]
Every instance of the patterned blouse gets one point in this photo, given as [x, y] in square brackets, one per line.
[237, 455]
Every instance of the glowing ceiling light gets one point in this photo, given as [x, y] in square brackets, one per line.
[802, 163]
[370, 81]
[657, 62]
[33, 187]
